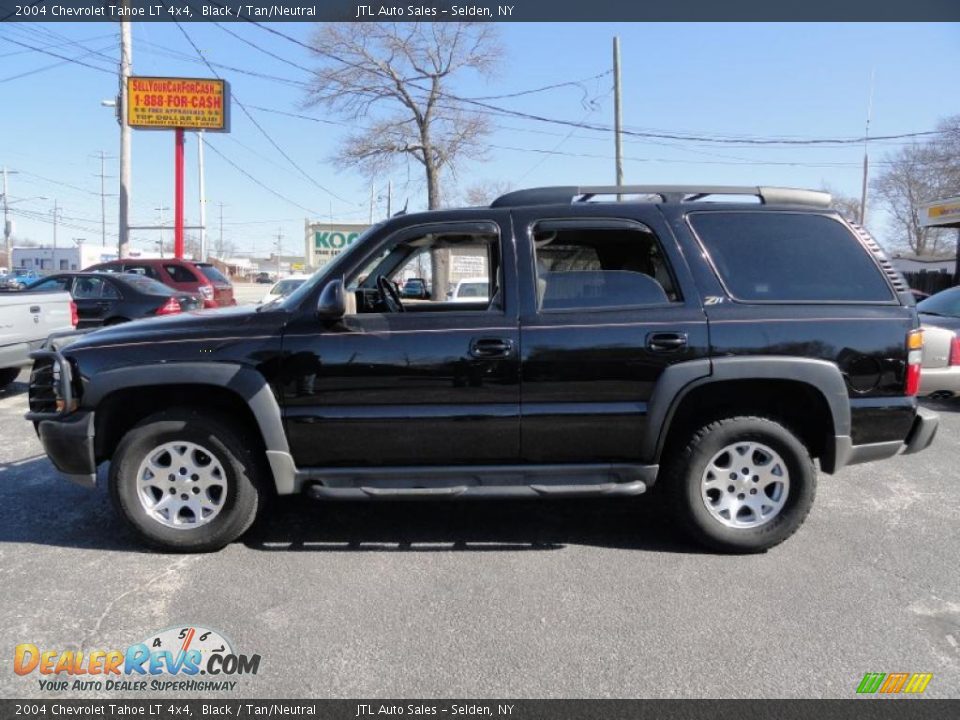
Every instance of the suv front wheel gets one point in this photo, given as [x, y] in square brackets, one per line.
[185, 482]
[742, 484]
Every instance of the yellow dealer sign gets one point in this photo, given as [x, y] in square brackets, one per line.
[942, 213]
[163, 103]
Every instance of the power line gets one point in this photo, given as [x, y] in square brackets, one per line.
[254, 180]
[259, 127]
[42, 69]
[56, 55]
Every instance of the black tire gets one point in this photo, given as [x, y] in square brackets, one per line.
[684, 474]
[7, 376]
[243, 467]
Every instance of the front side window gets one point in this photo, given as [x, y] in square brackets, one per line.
[436, 270]
[789, 257]
[579, 266]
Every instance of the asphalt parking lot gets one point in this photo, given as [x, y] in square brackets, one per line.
[575, 599]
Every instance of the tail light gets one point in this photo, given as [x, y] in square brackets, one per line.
[74, 317]
[914, 361]
[170, 307]
[955, 351]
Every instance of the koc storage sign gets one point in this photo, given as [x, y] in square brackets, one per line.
[170, 102]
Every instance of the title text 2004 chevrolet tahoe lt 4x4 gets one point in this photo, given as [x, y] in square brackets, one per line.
[714, 347]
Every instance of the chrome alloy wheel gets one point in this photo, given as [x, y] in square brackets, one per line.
[745, 485]
[181, 485]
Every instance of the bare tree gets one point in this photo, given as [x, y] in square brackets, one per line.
[395, 77]
[847, 205]
[485, 192]
[918, 174]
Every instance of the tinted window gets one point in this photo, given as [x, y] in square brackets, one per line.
[109, 291]
[180, 274]
[584, 267]
[213, 275]
[87, 288]
[943, 303]
[790, 257]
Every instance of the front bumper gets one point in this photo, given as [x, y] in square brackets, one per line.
[923, 431]
[68, 442]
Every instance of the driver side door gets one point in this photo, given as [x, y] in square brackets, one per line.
[438, 384]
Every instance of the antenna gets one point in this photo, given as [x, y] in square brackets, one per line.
[866, 159]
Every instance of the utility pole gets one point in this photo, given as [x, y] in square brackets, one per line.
[160, 210]
[7, 227]
[220, 243]
[371, 203]
[866, 161]
[103, 199]
[126, 63]
[203, 198]
[390, 199]
[279, 249]
[56, 213]
[617, 110]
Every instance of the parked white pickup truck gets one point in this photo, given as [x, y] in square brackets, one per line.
[26, 320]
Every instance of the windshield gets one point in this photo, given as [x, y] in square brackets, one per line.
[285, 287]
[943, 303]
[342, 260]
[474, 289]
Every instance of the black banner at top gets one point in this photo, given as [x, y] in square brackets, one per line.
[483, 10]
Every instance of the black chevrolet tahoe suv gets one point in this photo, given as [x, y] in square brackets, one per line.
[713, 340]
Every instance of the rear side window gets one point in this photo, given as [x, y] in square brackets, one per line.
[579, 266]
[180, 274]
[789, 257]
[144, 270]
[214, 275]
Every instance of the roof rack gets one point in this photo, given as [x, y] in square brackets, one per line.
[561, 195]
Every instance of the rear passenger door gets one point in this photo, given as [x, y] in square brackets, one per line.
[607, 303]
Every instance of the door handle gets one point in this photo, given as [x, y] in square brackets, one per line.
[666, 341]
[34, 309]
[491, 347]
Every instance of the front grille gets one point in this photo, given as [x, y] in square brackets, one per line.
[43, 393]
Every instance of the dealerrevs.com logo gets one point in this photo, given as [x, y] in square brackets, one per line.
[189, 658]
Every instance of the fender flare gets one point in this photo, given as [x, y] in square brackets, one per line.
[678, 380]
[248, 384]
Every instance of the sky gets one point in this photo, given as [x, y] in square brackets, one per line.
[757, 80]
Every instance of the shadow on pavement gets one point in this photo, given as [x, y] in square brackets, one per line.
[16, 388]
[947, 405]
[295, 524]
[42, 508]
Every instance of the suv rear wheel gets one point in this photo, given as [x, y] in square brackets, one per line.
[185, 482]
[742, 484]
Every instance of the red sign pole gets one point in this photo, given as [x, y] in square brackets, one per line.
[178, 196]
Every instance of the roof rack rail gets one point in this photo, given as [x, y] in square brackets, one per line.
[564, 194]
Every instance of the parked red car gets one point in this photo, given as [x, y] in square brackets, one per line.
[193, 277]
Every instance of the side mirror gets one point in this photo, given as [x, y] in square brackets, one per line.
[331, 305]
